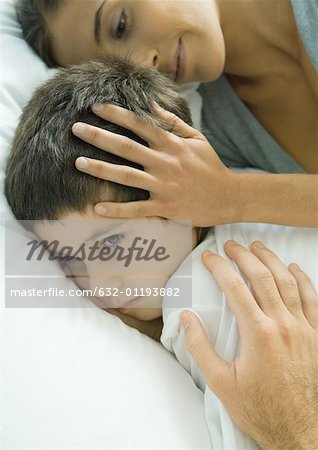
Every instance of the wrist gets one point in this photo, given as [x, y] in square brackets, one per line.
[236, 205]
[252, 197]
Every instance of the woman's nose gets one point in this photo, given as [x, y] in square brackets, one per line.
[152, 60]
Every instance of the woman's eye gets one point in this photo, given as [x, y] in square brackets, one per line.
[111, 241]
[122, 25]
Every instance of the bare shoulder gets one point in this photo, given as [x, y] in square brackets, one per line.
[282, 88]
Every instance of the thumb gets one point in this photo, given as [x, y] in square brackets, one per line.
[214, 369]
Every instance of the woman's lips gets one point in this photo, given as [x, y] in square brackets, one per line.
[179, 62]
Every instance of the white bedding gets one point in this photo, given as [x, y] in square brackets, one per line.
[78, 378]
[298, 245]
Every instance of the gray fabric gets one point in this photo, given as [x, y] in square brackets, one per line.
[231, 128]
[306, 16]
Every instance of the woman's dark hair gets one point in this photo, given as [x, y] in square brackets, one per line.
[32, 15]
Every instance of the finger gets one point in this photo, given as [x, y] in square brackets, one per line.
[213, 368]
[239, 297]
[285, 282]
[144, 208]
[260, 277]
[128, 176]
[177, 125]
[308, 295]
[143, 128]
[116, 144]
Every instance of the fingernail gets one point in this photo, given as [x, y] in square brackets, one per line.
[207, 253]
[79, 129]
[82, 163]
[97, 107]
[258, 244]
[295, 266]
[230, 243]
[100, 209]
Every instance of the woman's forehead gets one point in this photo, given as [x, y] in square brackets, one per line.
[73, 31]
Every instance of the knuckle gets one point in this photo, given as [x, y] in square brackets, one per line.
[130, 176]
[312, 302]
[194, 346]
[288, 283]
[170, 209]
[94, 134]
[171, 117]
[264, 276]
[173, 141]
[141, 210]
[98, 168]
[174, 189]
[285, 330]
[179, 144]
[174, 122]
[136, 121]
[264, 330]
[127, 145]
[271, 295]
[177, 168]
[305, 278]
[110, 108]
[236, 285]
[114, 211]
[294, 302]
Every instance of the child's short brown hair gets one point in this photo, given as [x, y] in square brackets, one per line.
[42, 182]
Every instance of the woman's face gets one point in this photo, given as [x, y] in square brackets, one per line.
[182, 38]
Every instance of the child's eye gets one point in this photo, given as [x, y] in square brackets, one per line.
[111, 241]
[122, 25]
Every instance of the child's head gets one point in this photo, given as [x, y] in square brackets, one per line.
[42, 183]
[41, 179]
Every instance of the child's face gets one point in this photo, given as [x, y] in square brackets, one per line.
[149, 32]
[135, 284]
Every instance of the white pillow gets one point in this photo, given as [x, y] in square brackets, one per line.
[79, 377]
